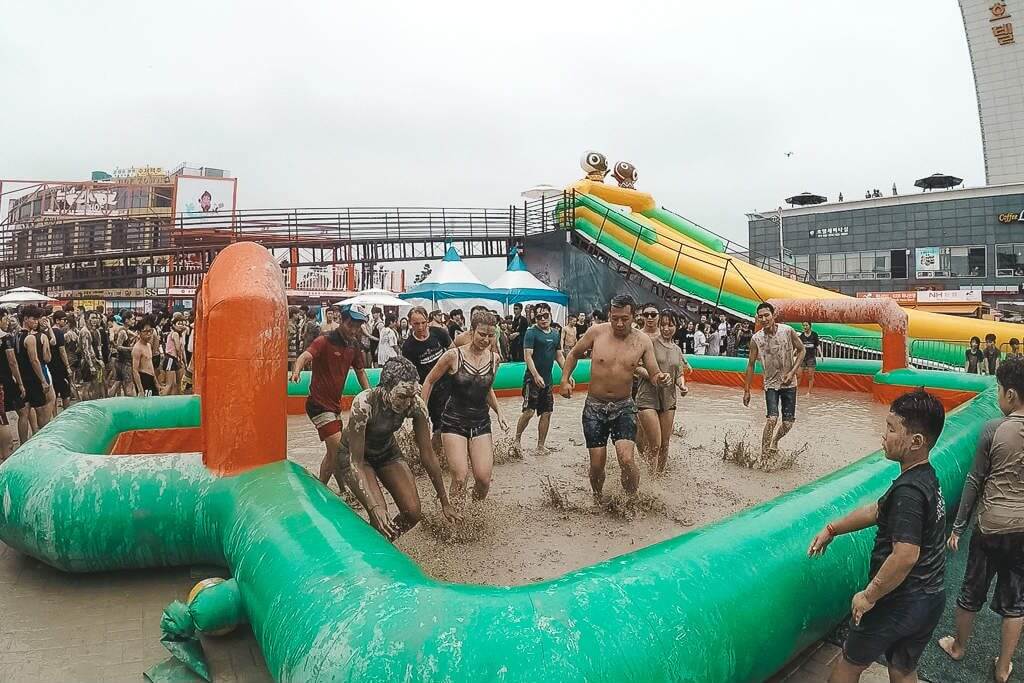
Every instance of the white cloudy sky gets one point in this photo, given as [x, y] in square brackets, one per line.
[467, 103]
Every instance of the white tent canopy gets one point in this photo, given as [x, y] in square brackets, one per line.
[452, 285]
[24, 295]
[374, 297]
[520, 286]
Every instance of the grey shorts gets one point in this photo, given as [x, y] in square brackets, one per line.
[650, 397]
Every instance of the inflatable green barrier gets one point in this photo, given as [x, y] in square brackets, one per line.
[329, 599]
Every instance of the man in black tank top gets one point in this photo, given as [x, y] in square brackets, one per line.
[368, 452]
[896, 614]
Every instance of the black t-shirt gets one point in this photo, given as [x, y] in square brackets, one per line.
[913, 511]
[581, 330]
[425, 354]
[991, 356]
[56, 359]
[6, 342]
[974, 359]
[521, 325]
[810, 342]
[454, 329]
[684, 338]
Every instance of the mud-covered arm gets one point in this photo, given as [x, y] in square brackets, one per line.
[350, 461]
[975, 478]
[748, 377]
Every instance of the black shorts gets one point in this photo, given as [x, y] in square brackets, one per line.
[899, 628]
[61, 385]
[436, 404]
[810, 362]
[999, 556]
[469, 429]
[603, 419]
[34, 394]
[539, 399]
[170, 364]
[377, 461]
[12, 397]
[149, 387]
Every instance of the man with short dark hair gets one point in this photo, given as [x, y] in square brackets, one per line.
[424, 346]
[456, 323]
[332, 356]
[29, 350]
[896, 614]
[609, 411]
[994, 487]
[781, 352]
[541, 349]
[991, 354]
[519, 327]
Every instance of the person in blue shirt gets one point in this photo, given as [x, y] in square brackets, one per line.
[541, 350]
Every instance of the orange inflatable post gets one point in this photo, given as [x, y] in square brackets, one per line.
[885, 313]
[240, 360]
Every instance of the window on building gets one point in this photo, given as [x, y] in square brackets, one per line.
[1010, 260]
[898, 258]
[802, 261]
[162, 196]
[824, 266]
[968, 261]
[140, 198]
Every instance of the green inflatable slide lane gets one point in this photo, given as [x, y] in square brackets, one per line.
[329, 599]
[745, 305]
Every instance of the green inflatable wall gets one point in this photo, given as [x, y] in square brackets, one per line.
[329, 599]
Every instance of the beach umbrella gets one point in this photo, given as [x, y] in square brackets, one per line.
[542, 191]
[806, 199]
[937, 180]
[374, 297]
[24, 295]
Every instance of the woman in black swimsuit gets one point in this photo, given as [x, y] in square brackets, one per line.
[466, 422]
[369, 456]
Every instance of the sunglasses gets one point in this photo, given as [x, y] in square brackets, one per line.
[542, 316]
[651, 314]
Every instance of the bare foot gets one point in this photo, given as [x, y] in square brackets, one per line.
[1001, 675]
[951, 648]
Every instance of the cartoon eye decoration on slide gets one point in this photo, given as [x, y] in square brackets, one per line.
[595, 165]
[625, 174]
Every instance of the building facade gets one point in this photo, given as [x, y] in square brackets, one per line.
[997, 59]
[969, 239]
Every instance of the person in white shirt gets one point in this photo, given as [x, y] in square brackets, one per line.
[389, 344]
[700, 341]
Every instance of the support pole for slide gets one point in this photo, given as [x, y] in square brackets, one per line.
[241, 360]
[885, 313]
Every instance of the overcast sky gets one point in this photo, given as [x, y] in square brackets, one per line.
[466, 104]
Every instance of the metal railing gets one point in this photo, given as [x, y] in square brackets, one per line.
[61, 239]
[857, 347]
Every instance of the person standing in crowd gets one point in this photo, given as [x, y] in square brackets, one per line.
[29, 351]
[649, 320]
[92, 370]
[684, 337]
[310, 329]
[437, 320]
[714, 340]
[995, 489]
[143, 371]
[330, 320]
[368, 455]
[174, 354]
[519, 327]
[1014, 349]
[974, 358]
[581, 324]
[609, 411]
[424, 347]
[68, 324]
[456, 323]
[504, 344]
[991, 354]
[897, 612]
[569, 337]
[541, 349]
[10, 379]
[809, 338]
[700, 340]
[656, 404]
[781, 352]
[466, 422]
[743, 340]
[294, 335]
[723, 327]
[59, 365]
[403, 330]
[388, 347]
[332, 356]
[122, 342]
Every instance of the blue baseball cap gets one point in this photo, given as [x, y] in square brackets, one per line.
[353, 313]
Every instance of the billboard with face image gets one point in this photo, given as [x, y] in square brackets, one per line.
[199, 197]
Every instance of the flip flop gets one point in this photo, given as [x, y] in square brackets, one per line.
[1009, 674]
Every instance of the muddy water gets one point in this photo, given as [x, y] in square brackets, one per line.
[520, 535]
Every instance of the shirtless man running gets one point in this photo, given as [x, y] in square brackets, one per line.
[143, 372]
[616, 351]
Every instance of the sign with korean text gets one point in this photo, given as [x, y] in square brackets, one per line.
[829, 231]
[1002, 27]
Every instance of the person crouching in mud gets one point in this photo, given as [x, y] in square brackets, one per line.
[616, 351]
[369, 455]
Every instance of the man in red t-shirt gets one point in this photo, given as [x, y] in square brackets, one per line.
[332, 355]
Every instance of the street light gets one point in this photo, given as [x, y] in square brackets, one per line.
[775, 218]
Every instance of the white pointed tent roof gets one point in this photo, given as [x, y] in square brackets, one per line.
[453, 284]
[518, 277]
[452, 270]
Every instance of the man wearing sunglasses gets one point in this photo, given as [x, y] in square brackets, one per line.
[541, 350]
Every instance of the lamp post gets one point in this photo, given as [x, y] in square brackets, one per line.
[776, 218]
